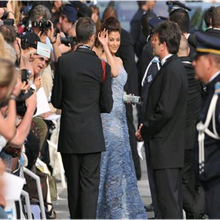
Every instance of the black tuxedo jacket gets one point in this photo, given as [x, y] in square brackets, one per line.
[126, 53]
[78, 91]
[194, 103]
[165, 117]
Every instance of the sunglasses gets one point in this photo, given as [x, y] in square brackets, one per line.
[47, 61]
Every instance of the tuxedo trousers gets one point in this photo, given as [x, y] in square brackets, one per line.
[169, 192]
[83, 176]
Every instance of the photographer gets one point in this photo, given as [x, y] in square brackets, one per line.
[42, 26]
[9, 89]
[7, 12]
[66, 27]
[23, 121]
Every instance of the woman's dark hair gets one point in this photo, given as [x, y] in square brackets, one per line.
[112, 25]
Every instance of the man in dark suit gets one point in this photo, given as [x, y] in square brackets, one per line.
[181, 17]
[207, 68]
[136, 30]
[193, 107]
[82, 89]
[164, 121]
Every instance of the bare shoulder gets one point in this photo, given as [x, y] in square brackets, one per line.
[119, 61]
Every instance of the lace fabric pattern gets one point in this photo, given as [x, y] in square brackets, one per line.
[118, 192]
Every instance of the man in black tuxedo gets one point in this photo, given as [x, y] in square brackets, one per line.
[82, 89]
[164, 121]
[194, 99]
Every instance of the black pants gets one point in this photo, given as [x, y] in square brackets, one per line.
[157, 214]
[169, 192]
[212, 200]
[83, 176]
[188, 185]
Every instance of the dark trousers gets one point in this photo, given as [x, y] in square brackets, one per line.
[133, 141]
[157, 214]
[188, 184]
[169, 192]
[212, 200]
[83, 176]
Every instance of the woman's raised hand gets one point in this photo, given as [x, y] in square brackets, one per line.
[103, 37]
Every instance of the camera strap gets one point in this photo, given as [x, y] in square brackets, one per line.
[103, 71]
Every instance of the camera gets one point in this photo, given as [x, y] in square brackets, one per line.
[20, 102]
[69, 41]
[43, 24]
[25, 75]
[7, 22]
[131, 99]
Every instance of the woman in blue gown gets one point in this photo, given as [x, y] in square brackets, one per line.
[118, 192]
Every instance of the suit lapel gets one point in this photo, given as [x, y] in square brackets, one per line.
[163, 67]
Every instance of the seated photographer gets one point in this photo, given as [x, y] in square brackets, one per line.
[25, 112]
[9, 90]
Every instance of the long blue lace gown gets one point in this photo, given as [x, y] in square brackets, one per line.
[118, 192]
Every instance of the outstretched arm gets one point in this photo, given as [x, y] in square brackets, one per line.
[103, 38]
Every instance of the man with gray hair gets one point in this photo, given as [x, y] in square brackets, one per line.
[82, 89]
[207, 68]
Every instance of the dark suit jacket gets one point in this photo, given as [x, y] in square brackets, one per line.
[165, 117]
[136, 32]
[78, 91]
[126, 53]
[194, 102]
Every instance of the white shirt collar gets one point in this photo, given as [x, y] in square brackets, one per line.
[165, 59]
[187, 35]
[214, 76]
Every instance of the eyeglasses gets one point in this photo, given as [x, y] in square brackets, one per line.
[47, 61]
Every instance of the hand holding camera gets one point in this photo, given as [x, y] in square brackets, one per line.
[25, 93]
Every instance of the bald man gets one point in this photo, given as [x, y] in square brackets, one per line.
[193, 108]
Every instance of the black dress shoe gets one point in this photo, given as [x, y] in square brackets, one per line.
[149, 208]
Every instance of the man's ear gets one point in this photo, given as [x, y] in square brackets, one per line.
[92, 38]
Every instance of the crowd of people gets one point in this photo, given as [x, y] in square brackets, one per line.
[65, 68]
